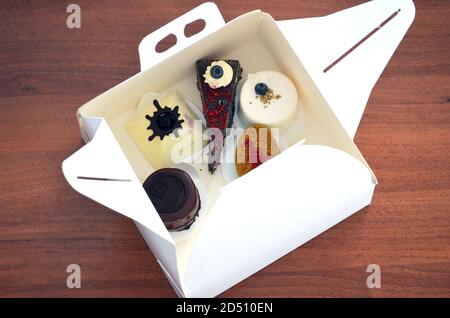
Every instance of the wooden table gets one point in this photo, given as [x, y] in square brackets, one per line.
[47, 71]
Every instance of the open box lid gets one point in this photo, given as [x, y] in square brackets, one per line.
[110, 158]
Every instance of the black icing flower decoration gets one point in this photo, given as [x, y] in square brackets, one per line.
[164, 121]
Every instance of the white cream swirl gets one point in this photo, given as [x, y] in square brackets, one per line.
[224, 80]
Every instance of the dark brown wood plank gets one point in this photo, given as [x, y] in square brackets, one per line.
[47, 71]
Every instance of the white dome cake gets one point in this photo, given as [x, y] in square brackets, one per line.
[268, 98]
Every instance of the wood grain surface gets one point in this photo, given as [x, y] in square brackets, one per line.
[47, 71]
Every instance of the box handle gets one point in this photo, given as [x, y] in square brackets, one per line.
[208, 12]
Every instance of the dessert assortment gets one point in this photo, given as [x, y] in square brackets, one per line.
[266, 100]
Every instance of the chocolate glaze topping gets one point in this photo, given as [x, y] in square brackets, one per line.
[164, 121]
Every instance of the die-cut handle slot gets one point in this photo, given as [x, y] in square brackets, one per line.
[102, 179]
[194, 27]
[340, 58]
[166, 43]
[187, 29]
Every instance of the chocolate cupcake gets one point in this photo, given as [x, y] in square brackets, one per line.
[174, 196]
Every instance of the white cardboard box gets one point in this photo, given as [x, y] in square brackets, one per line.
[308, 188]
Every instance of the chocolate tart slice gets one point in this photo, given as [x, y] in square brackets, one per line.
[174, 196]
[217, 81]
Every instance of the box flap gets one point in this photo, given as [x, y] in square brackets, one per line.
[256, 220]
[100, 171]
[320, 41]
